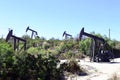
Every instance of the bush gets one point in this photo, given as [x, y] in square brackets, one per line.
[84, 46]
[72, 66]
[26, 66]
[33, 50]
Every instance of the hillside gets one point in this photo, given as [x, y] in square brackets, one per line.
[40, 59]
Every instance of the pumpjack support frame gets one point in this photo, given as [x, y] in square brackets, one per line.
[16, 40]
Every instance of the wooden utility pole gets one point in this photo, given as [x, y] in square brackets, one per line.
[109, 33]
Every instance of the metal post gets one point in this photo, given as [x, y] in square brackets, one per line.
[25, 46]
[14, 43]
[32, 34]
[94, 47]
[18, 44]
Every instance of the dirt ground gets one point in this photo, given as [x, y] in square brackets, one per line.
[98, 71]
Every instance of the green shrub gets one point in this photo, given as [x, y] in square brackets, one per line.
[26, 66]
[72, 66]
[45, 45]
[33, 50]
[84, 46]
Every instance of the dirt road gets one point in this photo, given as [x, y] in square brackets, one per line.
[98, 71]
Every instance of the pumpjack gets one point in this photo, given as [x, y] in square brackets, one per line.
[33, 31]
[16, 40]
[99, 49]
[66, 35]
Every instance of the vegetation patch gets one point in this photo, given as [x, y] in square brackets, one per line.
[72, 67]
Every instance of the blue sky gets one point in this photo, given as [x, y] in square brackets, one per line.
[52, 17]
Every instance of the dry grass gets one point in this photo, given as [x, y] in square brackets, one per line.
[115, 77]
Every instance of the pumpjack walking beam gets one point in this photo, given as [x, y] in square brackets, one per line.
[89, 35]
[16, 40]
